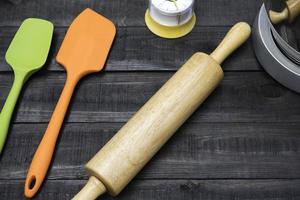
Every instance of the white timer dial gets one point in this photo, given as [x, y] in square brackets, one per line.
[171, 12]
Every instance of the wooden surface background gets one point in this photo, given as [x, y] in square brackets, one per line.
[243, 143]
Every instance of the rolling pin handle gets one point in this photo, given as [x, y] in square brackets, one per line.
[237, 35]
[278, 17]
[93, 189]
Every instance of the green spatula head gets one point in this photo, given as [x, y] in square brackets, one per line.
[26, 54]
[29, 49]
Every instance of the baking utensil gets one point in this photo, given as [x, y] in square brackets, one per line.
[170, 18]
[275, 55]
[115, 165]
[84, 50]
[26, 55]
[289, 13]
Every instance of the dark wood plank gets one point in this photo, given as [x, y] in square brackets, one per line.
[166, 189]
[196, 151]
[125, 12]
[136, 49]
[15, 2]
[115, 97]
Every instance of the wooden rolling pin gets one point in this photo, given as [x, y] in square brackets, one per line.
[116, 164]
[291, 11]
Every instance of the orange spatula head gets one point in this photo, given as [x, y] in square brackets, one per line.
[87, 43]
[83, 51]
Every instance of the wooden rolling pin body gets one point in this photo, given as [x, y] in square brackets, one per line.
[146, 132]
[113, 167]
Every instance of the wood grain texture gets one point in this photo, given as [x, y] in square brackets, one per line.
[134, 145]
[157, 53]
[170, 189]
[196, 151]
[154, 124]
[115, 97]
[126, 12]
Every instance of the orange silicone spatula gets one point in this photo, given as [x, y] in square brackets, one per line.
[83, 51]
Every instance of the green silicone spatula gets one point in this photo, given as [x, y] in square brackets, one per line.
[26, 54]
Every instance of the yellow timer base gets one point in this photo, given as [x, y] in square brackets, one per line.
[169, 32]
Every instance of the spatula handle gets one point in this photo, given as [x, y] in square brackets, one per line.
[43, 155]
[8, 108]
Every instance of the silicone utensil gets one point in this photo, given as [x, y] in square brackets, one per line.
[26, 54]
[83, 51]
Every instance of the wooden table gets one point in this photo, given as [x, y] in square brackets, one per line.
[243, 143]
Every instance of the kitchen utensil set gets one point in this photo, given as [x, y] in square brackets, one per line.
[84, 50]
